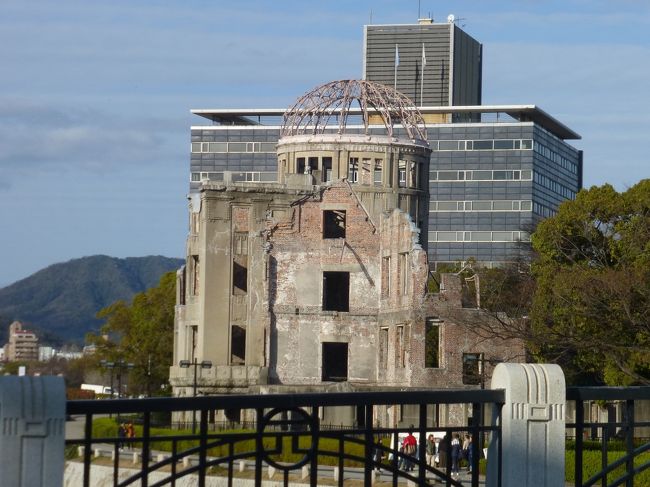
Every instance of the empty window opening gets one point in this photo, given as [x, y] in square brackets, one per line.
[327, 169]
[240, 275]
[472, 368]
[353, 170]
[300, 165]
[400, 352]
[312, 164]
[432, 343]
[383, 348]
[194, 330]
[336, 291]
[182, 286]
[335, 362]
[385, 277]
[237, 345]
[377, 172]
[334, 224]
[401, 173]
[403, 273]
[195, 275]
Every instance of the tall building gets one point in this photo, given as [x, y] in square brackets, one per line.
[494, 171]
[22, 344]
[434, 64]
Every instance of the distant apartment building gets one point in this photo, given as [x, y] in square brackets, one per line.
[22, 344]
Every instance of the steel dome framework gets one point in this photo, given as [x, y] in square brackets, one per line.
[331, 104]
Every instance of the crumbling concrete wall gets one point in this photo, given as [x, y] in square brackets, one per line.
[301, 255]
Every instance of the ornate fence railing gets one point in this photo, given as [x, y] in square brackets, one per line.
[622, 427]
[286, 435]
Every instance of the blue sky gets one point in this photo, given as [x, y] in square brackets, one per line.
[95, 98]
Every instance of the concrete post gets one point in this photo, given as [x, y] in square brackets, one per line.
[242, 465]
[32, 440]
[532, 426]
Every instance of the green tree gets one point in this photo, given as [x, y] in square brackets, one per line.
[141, 333]
[591, 306]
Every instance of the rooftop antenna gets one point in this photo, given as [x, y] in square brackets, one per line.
[370, 16]
[452, 19]
[419, 8]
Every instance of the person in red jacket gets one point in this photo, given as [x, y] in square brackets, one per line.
[410, 447]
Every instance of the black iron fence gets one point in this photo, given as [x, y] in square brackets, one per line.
[617, 435]
[287, 435]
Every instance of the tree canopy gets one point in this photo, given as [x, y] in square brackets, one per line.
[591, 304]
[141, 333]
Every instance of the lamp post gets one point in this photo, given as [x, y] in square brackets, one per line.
[110, 366]
[186, 364]
[121, 366]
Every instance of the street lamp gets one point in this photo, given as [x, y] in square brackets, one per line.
[108, 365]
[186, 364]
[121, 366]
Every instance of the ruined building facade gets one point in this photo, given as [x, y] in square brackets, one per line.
[319, 281]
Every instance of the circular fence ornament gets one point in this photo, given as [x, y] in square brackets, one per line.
[299, 425]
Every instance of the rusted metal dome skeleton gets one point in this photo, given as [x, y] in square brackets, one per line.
[314, 111]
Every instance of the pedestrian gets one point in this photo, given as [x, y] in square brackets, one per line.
[443, 449]
[121, 434]
[379, 454]
[456, 450]
[470, 453]
[130, 434]
[410, 447]
[430, 451]
[465, 445]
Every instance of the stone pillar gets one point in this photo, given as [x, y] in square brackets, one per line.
[32, 441]
[532, 426]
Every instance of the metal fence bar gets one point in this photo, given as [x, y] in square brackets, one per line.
[422, 473]
[174, 460]
[88, 434]
[146, 448]
[313, 465]
[477, 414]
[629, 441]
[603, 456]
[203, 446]
[259, 447]
[580, 421]
[368, 464]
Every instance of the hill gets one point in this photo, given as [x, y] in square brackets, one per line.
[61, 301]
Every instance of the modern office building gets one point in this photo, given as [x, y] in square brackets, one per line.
[494, 171]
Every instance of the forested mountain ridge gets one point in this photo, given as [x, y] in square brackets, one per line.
[61, 301]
